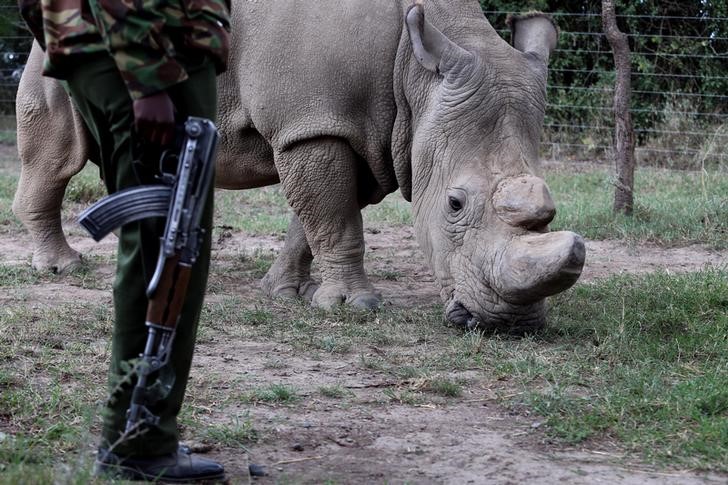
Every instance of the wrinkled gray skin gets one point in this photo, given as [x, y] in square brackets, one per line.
[344, 102]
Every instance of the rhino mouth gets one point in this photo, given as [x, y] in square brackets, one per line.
[517, 319]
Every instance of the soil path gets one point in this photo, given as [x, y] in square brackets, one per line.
[470, 441]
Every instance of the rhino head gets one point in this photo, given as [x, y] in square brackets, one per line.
[474, 110]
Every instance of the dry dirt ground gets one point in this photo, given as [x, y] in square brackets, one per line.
[470, 439]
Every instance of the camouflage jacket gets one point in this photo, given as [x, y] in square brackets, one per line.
[142, 36]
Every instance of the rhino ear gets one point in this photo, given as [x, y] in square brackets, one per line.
[433, 50]
[535, 34]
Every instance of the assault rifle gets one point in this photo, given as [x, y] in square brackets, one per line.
[180, 197]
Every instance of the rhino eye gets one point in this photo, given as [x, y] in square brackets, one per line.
[455, 203]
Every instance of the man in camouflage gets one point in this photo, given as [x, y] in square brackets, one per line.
[132, 68]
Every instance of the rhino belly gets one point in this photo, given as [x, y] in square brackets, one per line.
[307, 70]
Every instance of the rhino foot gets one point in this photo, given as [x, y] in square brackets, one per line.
[57, 262]
[292, 288]
[329, 296]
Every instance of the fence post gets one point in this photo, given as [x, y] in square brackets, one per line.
[623, 130]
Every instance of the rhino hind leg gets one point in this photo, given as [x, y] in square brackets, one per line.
[37, 204]
[290, 274]
[51, 151]
[320, 182]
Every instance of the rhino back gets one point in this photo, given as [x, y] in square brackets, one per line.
[302, 70]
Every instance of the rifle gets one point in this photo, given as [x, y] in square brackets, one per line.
[180, 197]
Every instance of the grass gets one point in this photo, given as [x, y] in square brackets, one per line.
[23, 275]
[15, 275]
[643, 360]
[49, 390]
[671, 207]
[273, 394]
[258, 212]
[392, 211]
[8, 221]
[336, 391]
[86, 187]
[228, 272]
[403, 396]
[7, 137]
[445, 387]
[237, 434]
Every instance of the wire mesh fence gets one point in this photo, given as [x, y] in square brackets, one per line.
[15, 43]
[680, 86]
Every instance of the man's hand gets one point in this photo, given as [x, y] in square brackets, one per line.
[154, 118]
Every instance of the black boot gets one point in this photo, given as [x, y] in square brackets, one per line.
[178, 467]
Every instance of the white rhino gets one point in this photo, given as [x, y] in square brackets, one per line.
[343, 102]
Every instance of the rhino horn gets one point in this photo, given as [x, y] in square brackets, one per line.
[431, 47]
[535, 266]
[524, 201]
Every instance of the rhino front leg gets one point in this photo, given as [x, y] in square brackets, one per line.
[320, 183]
[290, 275]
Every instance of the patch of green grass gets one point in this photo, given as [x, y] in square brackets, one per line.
[227, 271]
[86, 187]
[275, 364]
[445, 387]
[333, 344]
[407, 372]
[257, 261]
[336, 391]
[392, 211]
[402, 396]
[340, 330]
[49, 391]
[8, 184]
[643, 359]
[671, 207]
[274, 393]
[372, 363]
[8, 137]
[256, 316]
[260, 211]
[21, 275]
[13, 276]
[389, 275]
[239, 433]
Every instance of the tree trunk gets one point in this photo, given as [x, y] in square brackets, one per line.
[623, 130]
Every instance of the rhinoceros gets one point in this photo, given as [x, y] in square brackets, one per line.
[344, 102]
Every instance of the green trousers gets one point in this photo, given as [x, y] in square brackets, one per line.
[102, 98]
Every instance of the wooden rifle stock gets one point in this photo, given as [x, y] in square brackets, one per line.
[166, 304]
